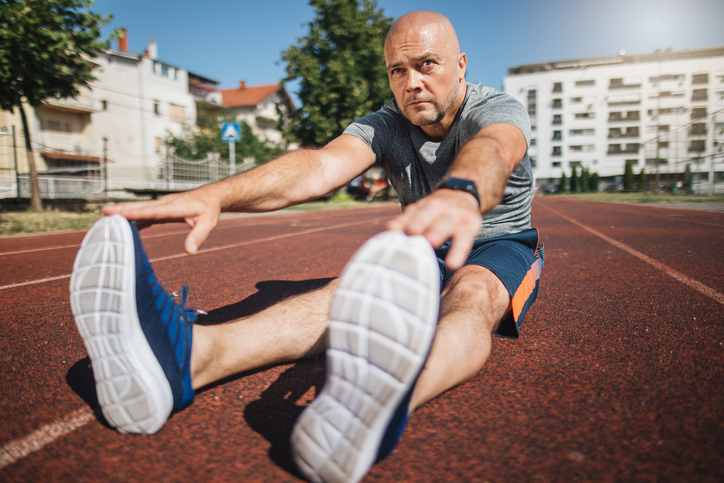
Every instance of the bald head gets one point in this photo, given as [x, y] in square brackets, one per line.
[424, 23]
[426, 70]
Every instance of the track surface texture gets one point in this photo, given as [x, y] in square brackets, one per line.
[617, 375]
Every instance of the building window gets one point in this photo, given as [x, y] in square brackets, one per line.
[699, 95]
[157, 108]
[585, 115]
[585, 83]
[557, 87]
[557, 135]
[557, 119]
[620, 116]
[531, 101]
[164, 70]
[574, 164]
[159, 144]
[698, 129]
[634, 162]
[576, 100]
[700, 79]
[626, 149]
[697, 146]
[177, 113]
[104, 105]
[666, 111]
[533, 141]
[533, 162]
[582, 148]
[556, 151]
[557, 103]
[582, 132]
[556, 164]
[698, 112]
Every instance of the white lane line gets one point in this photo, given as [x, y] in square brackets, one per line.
[172, 233]
[676, 275]
[21, 447]
[215, 249]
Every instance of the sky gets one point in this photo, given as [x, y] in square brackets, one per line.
[229, 41]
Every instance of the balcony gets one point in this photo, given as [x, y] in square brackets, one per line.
[628, 149]
[557, 104]
[82, 104]
[624, 84]
[698, 129]
[632, 132]
[624, 100]
[619, 117]
[697, 146]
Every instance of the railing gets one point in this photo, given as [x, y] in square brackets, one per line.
[62, 187]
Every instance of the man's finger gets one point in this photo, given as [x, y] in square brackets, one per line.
[198, 235]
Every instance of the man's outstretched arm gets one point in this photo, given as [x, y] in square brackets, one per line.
[489, 158]
[291, 179]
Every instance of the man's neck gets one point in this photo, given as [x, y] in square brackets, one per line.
[438, 131]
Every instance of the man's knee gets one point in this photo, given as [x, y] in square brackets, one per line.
[476, 289]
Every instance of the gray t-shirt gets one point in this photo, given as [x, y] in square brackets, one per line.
[415, 165]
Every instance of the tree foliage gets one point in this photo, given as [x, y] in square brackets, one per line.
[594, 182]
[585, 180]
[628, 176]
[574, 179]
[341, 68]
[46, 49]
[192, 144]
[563, 183]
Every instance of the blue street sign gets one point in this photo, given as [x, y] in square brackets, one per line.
[230, 132]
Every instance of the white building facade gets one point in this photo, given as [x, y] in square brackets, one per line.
[661, 111]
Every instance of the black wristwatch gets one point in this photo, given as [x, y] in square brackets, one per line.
[460, 184]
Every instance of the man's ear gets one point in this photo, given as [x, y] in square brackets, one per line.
[462, 65]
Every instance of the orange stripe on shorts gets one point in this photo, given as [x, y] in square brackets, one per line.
[526, 288]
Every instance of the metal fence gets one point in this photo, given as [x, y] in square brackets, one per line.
[62, 187]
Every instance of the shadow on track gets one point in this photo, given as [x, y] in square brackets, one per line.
[268, 293]
[273, 415]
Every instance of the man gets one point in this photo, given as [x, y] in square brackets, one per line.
[453, 152]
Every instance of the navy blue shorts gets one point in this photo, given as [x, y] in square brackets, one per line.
[517, 260]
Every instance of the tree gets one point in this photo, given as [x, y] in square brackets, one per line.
[594, 182]
[574, 179]
[585, 180]
[563, 182]
[193, 144]
[341, 68]
[628, 176]
[46, 47]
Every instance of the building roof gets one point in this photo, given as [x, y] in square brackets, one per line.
[623, 58]
[247, 96]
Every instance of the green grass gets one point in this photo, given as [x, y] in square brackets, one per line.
[643, 197]
[45, 221]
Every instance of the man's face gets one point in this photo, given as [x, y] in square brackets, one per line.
[425, 73]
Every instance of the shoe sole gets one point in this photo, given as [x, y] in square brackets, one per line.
[382, 324]
[132, 389]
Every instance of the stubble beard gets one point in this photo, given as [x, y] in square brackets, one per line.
[425, 118]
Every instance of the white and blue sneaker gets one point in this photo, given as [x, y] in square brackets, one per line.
[382, 324]
[138, 338]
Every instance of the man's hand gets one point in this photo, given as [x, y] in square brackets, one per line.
[443, 215]
[200, 209]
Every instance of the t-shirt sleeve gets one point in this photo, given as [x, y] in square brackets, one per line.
[375, 130]
[493, 107]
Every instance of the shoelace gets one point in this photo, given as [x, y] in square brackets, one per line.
[191, 313]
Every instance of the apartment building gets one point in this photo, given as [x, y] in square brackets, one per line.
[661, 111]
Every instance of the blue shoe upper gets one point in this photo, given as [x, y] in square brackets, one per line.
[166, 325]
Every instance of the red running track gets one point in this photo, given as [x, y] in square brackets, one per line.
[617, 376]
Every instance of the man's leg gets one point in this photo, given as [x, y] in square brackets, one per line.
[290, 330]
[472, 304]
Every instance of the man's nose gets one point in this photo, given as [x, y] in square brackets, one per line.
[414, 80]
